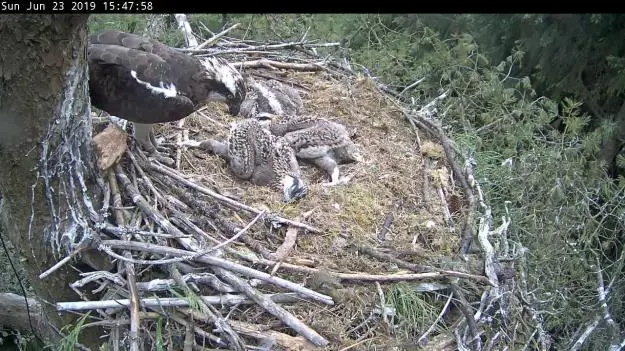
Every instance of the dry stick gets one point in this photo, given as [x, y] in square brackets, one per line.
[187, 222]
[426, 181]
[211, 313]
[171, 173]
[289, 240]
[448, 219]
[179, 139]
[402, 277]
[221, 300]
[176, 318]
[119, 231]
[214, 38]
[151, 213]
[273, 308]
[135, 323]
[416, 267]
[185, 27]
[188, 338]
[484, 232]
[202, 278]
[463, 306]
[388, 221]
[438, 274]
[264, 47]
[61, 262]
[279, 65]
[219, 262]
[262, 332]
[435, 130]
[440, 316]
[282, 80]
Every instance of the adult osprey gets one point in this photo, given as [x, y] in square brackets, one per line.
[144, 81]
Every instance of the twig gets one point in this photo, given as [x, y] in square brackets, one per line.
[61, 262]
[168, 171]
[179, 139]
[215, 38]
[403, 277]
[272, 308]
[261, 332]
[202, 278]
[289, 240]
[135, 323]
[197, 254]
[386, 225]
[448, 219]
[278, 65]
[602, 297]
[185, 27]
[463, 306]
[421, 339]
[119, 231]
[226, 300]
[265, 47]
[219, 262]
[484, 232]
[411, 86]
[416, 267]
[157, 217]
[211, 313]
[582, 338]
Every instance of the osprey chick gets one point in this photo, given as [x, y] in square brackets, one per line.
[270, 97]
[145, 81]
[319, 141]
[254, 154]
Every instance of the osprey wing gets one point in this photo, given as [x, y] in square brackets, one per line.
[134, 85]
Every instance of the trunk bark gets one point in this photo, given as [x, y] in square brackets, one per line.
[45, 151]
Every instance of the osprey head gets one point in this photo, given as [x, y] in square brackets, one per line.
[287, 169]
[293, 188]
[225, 83]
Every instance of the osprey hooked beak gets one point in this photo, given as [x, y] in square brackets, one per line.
[235, 100]
[234, 107]
[293, 189]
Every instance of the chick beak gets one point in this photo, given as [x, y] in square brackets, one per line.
[294, 194]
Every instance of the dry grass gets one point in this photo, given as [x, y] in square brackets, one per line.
[390, 180]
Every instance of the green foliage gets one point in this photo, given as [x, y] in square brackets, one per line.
[160, 344]
[415, 312]
[70, 341]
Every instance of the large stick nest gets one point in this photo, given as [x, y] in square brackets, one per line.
[204, 259]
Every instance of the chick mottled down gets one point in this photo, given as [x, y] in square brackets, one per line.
[270, 97]
[256, 155]
[319, 141]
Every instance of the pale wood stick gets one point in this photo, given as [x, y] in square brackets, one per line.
[226, 299]
[171, 173]
[219, 262]
[135, 322]
[273, 308]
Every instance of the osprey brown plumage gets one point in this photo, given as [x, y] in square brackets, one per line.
[145, 81]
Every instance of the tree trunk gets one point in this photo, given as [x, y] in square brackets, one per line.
[45, 150]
